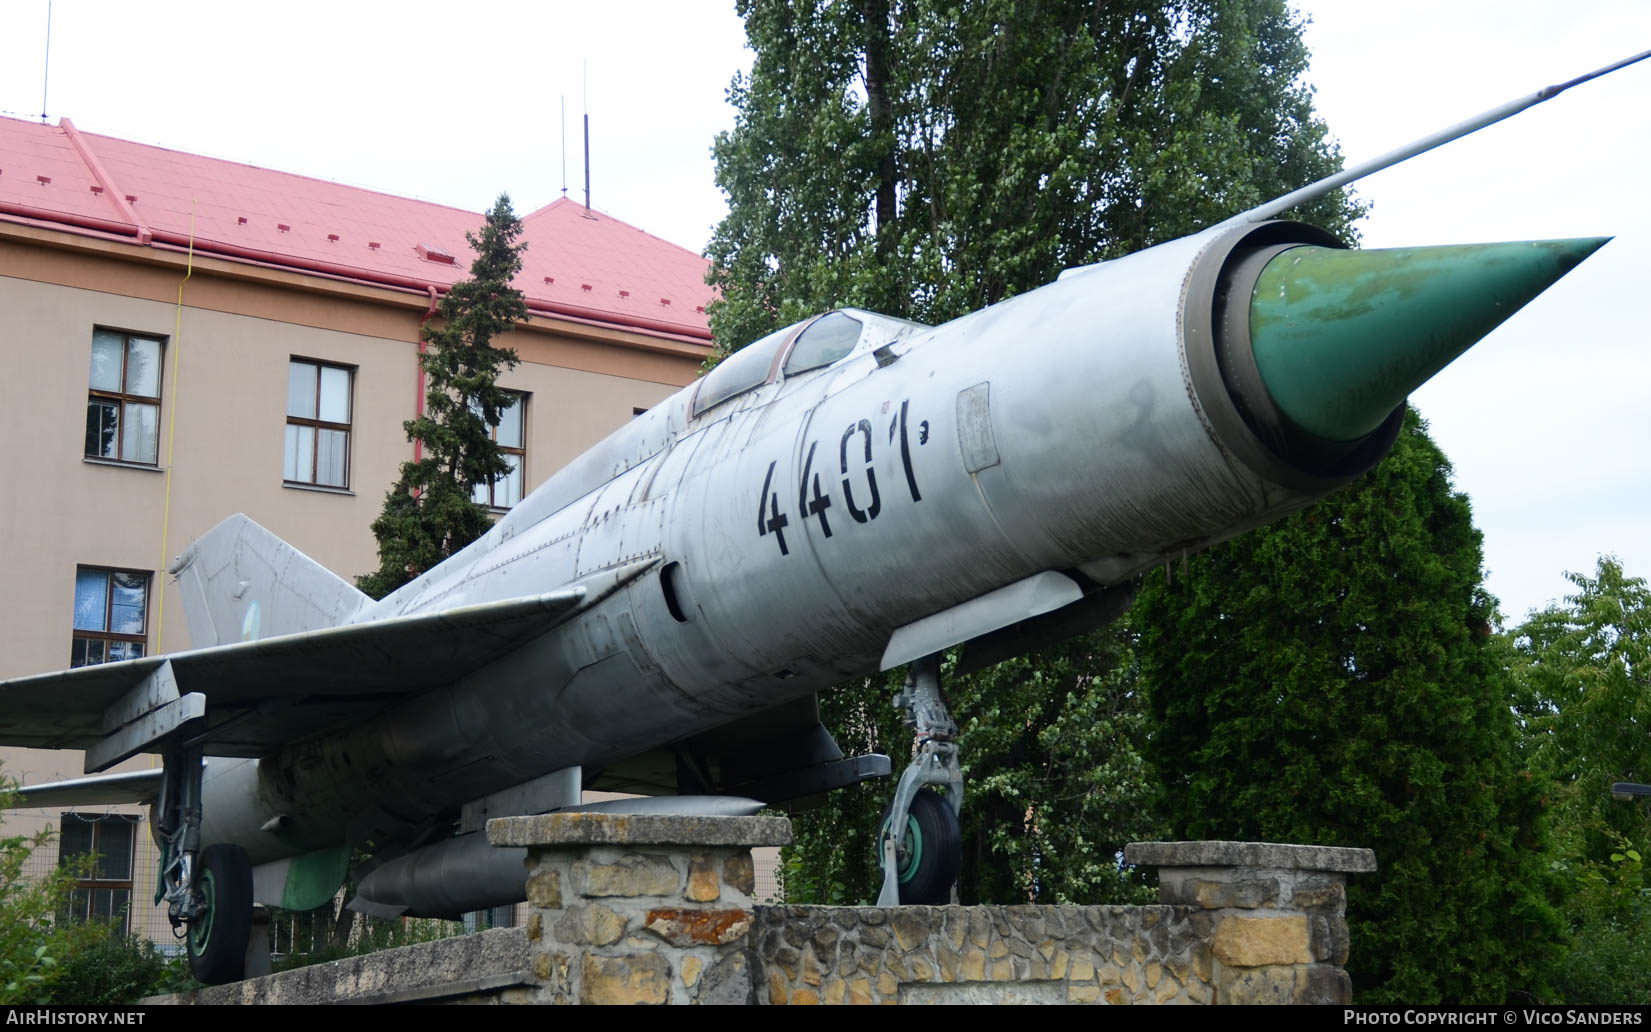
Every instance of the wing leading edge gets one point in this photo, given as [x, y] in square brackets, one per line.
[259, 695]
[138, 786]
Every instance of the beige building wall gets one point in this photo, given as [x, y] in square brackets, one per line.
[222, 422]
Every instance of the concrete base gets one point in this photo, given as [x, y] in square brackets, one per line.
[489, 967]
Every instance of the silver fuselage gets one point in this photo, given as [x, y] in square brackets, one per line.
[1059, 430]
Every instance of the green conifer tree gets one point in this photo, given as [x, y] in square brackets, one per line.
[430, 513]
[1332, 679]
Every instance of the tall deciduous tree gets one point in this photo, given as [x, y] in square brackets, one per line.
[925, 158]
[430, 513]
[1333, 679]
[1584, 672]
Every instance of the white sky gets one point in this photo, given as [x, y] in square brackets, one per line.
[1548, 421]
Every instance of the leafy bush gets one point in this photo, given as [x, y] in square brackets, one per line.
[33, 941]
[1609, 908]
[369, 935]
[113, 970]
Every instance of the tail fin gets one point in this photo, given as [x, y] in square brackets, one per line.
[240, 583]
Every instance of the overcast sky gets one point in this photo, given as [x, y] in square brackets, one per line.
[1548, 421]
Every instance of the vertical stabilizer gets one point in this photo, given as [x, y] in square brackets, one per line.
[239, 582]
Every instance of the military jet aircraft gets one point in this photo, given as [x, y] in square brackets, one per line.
[849, 494]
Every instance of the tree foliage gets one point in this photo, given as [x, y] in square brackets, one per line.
[925, 158]
[1332, 679]
[430, 513]
[117, 969]
[1054, 778]
[1584, 672]
[34, 939]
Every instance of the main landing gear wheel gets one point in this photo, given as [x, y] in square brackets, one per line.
[929, 852]
[217, 940]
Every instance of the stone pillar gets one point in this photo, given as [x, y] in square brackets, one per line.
[631, 908]
[1279, 929]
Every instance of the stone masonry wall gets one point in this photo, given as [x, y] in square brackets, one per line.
[634, 909]
[654, 909]
[961, 955]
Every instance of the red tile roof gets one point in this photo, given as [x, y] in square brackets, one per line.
[583, 264]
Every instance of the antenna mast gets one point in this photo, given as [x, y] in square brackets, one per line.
[586, 134]
[564, 145]
[46, 75]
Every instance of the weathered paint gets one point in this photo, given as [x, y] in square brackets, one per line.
[1342, 337]
[313, 878]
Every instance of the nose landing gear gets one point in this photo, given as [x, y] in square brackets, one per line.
[920, 846]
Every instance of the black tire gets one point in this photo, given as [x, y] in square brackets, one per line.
[217, 942]
[930, 851]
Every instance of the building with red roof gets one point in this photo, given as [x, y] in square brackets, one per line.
[186, 338]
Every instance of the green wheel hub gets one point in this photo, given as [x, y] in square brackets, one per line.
[909, 852]
[200, 929]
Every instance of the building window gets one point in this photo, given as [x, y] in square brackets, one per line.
[507, 490]
[124, 404]
[111, 614]
[105, 893]
[318, 424]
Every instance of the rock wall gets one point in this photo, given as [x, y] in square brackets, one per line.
[645, 909]
[959, 955]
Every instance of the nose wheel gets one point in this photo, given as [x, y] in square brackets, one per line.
[920, 846]
[928, 852]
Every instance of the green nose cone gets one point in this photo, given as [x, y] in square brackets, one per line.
[1341, 338]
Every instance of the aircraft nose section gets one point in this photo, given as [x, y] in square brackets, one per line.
[1341, 337]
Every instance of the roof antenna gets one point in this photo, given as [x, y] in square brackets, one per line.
[46, 76]
[564, 145]
[587, 134]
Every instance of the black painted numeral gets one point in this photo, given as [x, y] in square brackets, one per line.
[820, 502]
[905, 453]
[863, 427]
[777, 521]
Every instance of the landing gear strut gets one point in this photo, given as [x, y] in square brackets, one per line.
[919, 845]
[208, 893]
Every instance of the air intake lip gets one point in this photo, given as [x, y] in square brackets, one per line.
[1224, 381]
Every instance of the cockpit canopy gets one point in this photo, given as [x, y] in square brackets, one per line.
[798, 348]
